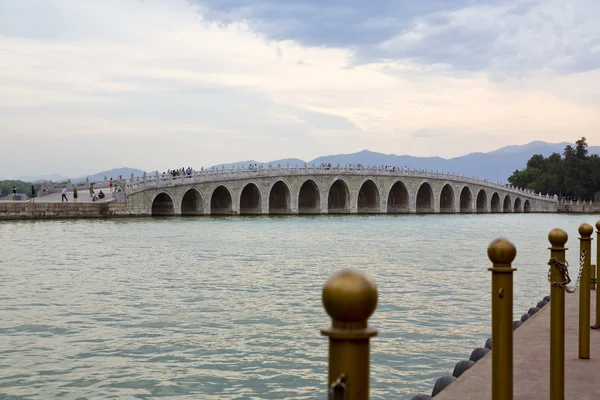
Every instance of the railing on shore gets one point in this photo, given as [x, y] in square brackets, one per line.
[211, 175]
[578, 202]
[350, 298]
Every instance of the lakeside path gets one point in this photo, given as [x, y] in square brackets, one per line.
[83, 197]
[532, 361]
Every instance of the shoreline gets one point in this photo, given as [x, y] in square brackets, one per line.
[18, 211]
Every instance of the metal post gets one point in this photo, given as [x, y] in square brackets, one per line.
[558, 238]
[597, 325]
[349, 297]
[502, 253]
[586, 231]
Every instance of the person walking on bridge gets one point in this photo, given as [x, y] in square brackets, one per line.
[33, 194]
[64, 194]
[75, 195]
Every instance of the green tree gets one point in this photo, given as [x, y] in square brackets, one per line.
[581, 148]
[574, 174]
[22, 187]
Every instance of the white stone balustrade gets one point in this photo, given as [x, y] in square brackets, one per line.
[214, 174]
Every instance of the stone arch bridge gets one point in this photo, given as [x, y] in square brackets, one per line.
[334, 190]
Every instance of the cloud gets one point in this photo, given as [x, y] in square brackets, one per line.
[334, 23]
[500, 37]
[171, 83]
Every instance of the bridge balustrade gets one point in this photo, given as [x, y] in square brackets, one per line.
[215, 174]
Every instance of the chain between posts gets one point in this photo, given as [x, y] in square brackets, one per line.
[563, 267]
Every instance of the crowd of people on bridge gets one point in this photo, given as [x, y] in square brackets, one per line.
[179, 172]
[174, 173]
[390, 168]
[383, 167]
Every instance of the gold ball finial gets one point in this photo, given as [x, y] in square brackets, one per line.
[586, 230]
[349, 296]
[598, 225]
[558, 237]
[501, 251]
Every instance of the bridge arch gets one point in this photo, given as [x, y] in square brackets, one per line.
[162, 204]
[425, 198]
[221, 200]
[280, 199]
[517, 208]
[309, 197]
[368, 199]
[338, 197]
[447, 201]
[482, 201]
[527, 206]
[506, 206]
[192, 202]
[496, 203]
[251, 199]
[466, 200]
[398, 198]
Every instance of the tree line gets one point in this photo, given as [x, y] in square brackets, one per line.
[22, 187]
[573, 175]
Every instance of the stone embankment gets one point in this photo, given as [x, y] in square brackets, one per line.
[20, 210]
[578, 208]
[26, 210]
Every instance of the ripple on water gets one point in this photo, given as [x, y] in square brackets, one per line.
[230, 308]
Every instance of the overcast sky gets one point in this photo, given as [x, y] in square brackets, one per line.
[90, 85]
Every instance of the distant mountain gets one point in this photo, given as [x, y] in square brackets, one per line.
[112, 173]
[51, 177]
[537, 147]
[98, 177]
[244, 164]
[496, 165]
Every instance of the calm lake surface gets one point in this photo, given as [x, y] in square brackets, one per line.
[230, 308]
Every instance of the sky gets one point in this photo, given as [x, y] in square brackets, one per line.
[90, 85]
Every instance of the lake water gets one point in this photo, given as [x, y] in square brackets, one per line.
[230, 308]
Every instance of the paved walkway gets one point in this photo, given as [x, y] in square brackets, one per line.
[84, 197]
[532, 361]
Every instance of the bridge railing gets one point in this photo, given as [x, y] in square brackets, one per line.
[210, 175]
